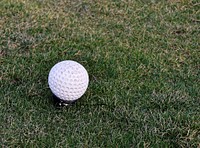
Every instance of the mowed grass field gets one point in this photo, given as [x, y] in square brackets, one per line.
[143, 60]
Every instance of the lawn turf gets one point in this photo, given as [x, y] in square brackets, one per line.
[143, 59]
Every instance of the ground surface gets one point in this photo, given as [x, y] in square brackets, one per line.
[144, 67]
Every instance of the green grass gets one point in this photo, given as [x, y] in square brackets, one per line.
[143, 59]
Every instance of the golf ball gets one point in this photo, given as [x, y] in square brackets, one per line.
[68, 80]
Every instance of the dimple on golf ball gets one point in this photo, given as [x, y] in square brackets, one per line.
[68, 80]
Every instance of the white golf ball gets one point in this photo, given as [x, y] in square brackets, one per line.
[68, 80]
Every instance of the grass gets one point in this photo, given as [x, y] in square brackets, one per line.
[143, 62]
